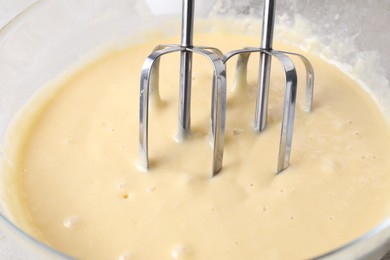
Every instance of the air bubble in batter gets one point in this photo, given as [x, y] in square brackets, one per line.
[71, 221]
[126, 256]
[237, 131]
[151, 188]
[180, 252]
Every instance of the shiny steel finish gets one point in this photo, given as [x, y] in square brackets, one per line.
[308, 106]
[265, 65]
[288, 109]
[149, 88]
[145, 89]
[185, 71]
[266, 54]
[285, 143]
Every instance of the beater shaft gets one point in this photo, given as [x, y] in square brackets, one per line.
[184, 126]
[265, 66]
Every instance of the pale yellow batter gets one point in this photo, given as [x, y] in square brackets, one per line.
[85, 197]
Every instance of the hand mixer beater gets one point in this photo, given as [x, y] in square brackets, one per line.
[149, 83]
[149, 87]
[266, 54]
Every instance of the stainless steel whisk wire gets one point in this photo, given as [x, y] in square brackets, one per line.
[149, 83]
[266, 54]
[218, 104]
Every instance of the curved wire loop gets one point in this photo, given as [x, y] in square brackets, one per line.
[308, 106]
[149, 84]
[291, 81]
[242, 65]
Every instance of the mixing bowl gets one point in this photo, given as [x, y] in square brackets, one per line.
[51, 37]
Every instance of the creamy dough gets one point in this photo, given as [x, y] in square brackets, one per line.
[86, 198]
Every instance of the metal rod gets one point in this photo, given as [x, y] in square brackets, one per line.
[186, 70]
[147, 69]
[149, 84]
[265, 65]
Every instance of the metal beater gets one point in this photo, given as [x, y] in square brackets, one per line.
[149, 87]
[149, 84]
[266, 54]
